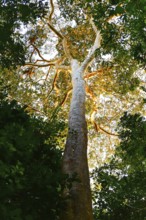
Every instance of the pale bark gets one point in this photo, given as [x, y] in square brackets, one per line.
[79, 205]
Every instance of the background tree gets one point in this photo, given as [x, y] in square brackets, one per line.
[30, 165]
[119, 188]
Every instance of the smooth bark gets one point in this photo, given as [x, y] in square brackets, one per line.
[79, 203]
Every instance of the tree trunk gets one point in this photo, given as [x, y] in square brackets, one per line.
[79, 204]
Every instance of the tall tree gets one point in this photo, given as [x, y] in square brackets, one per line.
[97, 47]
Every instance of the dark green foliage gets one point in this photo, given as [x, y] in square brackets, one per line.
[31, 183]
[123, 189]
[14, 14]
[128, 32]
[133, 138]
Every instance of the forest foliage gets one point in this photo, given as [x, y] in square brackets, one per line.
[31, 182]
[14, 14]
[119, 188]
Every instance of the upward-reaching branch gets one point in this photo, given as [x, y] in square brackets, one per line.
[52, 10]
[49, 22]
[64, 41]
[55, 31]
[66, 49]
[95, 46]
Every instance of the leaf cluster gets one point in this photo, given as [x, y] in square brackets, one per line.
[80, 39]
[14, 14]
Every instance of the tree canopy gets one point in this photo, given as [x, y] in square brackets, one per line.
[46, 47]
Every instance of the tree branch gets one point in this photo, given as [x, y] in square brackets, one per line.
[49, 23]
[90, 92]
[64, 41]
[54, 82]
[65, 97]
[88, 75]
[43, 59]
[98, 127]
[40, 65]
[54, 62]
[66, 49]
[95, 46]
[47, 74]
[30, 59]
[99, 71]
[52, 10]
[55, 31]
[107, 132]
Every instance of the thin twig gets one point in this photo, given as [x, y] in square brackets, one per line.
[47, 73]
[30, 59]
[43, 59]
[40, 65]
[54, 86]
[107, 132]
[88, 75]
[65, 97]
